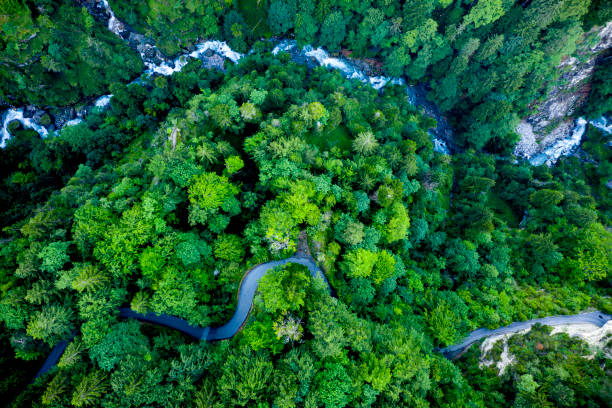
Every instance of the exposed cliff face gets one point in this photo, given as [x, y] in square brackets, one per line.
[597, 337]
[550, 122]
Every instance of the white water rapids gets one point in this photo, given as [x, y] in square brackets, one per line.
[569, 145]
[17, 114]
[604, 124]
[114, 25]
[102, 101]
[219, 47]
[347, 68]
[11, 115]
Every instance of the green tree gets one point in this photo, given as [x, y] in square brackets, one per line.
[283, 288]
[384, 268]
[206, 396]
[72, 354]
[333, 386]
[249, 112]
[484, 12]
[229, 247]
[546, 198]
[280, 17]
[399, 223]
[176, 294]
[365, 143]
[245, 377]
[305, 29]
[210, 193]
[376, 371]
[51, 324]
[54, 256]
[333, 31]
[90, 389]
[89, 278]
[349, 231]
[233, 164]
[359, 263]
[441, 323]
[57, 387]
[124, 338]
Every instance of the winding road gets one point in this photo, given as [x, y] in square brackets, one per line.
[246, 294]
[250, 282]
[247, 290]
[456, 350]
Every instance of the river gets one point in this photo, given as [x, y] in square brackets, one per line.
[163, 66]
[569, 145]
[249, 285]
[441, 135]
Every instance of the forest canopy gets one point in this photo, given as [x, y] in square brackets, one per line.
[487, 62]
[163, 201]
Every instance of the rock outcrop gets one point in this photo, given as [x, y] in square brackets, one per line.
[551, 120]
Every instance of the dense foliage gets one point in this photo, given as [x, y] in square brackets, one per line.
[487, 62]
[547, 371]
[51, 50]
[228, 178]
[163, 201]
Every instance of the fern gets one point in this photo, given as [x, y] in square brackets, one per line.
[90, 389]
[72, 354]
[89, 278]
[56, 387]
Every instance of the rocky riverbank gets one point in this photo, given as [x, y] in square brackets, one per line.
[541, 142]
[213, 55]
[46, 121]
[549, 131]
[442, 134]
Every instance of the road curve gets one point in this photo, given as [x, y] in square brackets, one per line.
[456, 350]
[246, 294]
[247, 290]
[172, 322]
[53, 357]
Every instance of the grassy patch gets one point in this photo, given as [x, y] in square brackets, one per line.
[331, 138]
[255, 15]
[502, 209]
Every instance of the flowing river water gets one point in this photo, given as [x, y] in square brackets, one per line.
[441, 135]
[569, 145]
[163, 66]
[249, 285]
